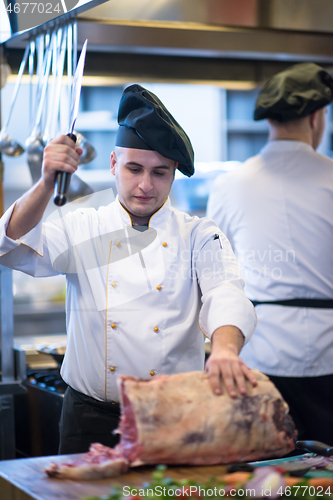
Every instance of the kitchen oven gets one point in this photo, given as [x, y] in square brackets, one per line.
[37, 413]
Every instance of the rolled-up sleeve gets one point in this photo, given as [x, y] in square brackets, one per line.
[223, 299]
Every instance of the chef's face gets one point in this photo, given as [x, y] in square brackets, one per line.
[143, 181]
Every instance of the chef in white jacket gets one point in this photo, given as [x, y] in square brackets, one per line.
[277, 212]
[146, 284]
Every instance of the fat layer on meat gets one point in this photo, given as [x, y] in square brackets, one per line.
[177, 419]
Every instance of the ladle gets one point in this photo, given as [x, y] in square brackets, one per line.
[89, 152]
[35, 143]
[78, 188]
[8, 145]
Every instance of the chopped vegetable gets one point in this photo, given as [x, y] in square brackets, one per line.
[237, 478]
[264, 482]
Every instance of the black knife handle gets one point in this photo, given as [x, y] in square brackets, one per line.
[315, 447]
[61, 185]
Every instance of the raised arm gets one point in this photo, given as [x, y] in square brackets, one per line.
[61, 154]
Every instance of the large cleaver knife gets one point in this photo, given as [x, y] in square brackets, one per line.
[62, 179]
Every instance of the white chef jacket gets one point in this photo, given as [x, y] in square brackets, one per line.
[277, 212]
[133, 308]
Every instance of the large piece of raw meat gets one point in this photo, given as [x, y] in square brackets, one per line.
[176, 419]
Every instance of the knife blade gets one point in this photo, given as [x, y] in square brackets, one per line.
[62, 179]
[315, 447]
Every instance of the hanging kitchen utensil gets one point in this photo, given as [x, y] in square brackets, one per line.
[63, 178]
[69, 58]
[63, 111]
[49, 120]
[40, 59]
[35, 143]
[31, 74]
[89, 152]
[44, 45]
[74, 45]
[40, 66]
[8, 145]
[61, 53]
[78, 188]
[41, 42]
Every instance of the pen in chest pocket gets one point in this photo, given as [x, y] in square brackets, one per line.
[217, 237]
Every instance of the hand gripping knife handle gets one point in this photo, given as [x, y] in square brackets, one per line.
[61, 185]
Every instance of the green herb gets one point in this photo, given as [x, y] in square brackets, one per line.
[168, 488]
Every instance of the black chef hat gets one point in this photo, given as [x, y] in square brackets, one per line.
[145, 123]
[294, 93]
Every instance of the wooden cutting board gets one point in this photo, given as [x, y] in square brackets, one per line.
[24, 479]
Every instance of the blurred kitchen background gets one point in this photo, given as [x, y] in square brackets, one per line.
[206, 60]
[223, 133]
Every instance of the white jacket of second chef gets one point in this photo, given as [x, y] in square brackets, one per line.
[276, 210]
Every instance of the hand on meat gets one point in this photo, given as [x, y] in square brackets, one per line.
[224, 362]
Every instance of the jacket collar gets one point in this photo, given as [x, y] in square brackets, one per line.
[158, 218]
[285, 145]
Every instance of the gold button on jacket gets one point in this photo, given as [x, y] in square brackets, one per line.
[152, 373]
[112, 369]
